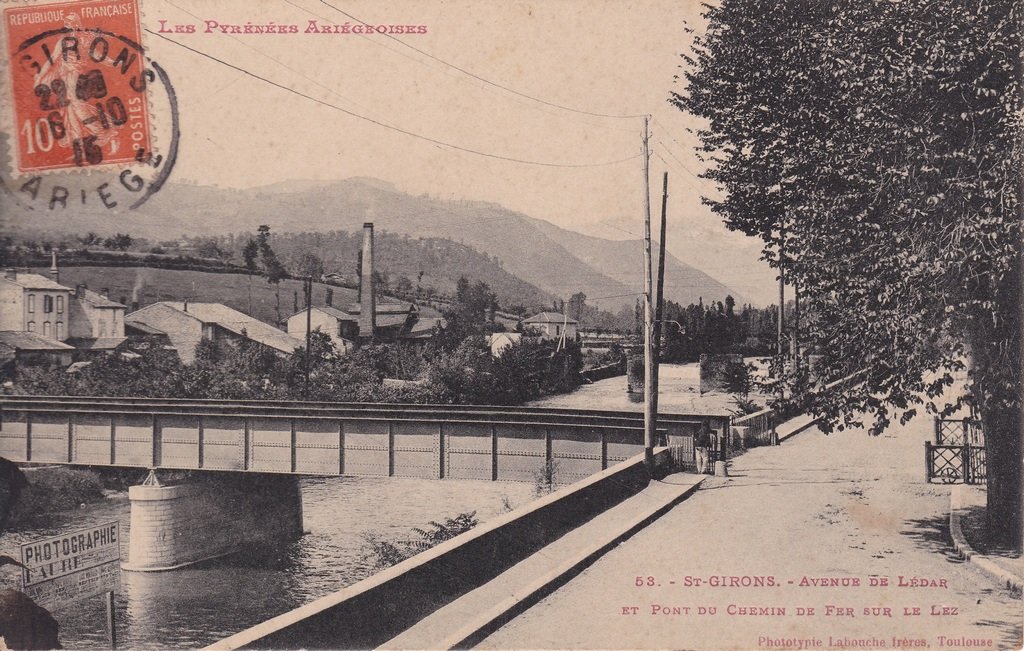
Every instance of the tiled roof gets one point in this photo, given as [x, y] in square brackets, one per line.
[20, 340]
[235, 321]
[550, 317]
[36, 281]
[144, 328]
[98, 300]
[99, 343]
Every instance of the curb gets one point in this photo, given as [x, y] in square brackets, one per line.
[1007, 579]
[806, 426]
[519, 601]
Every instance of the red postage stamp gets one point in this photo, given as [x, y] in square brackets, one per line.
[78, 84]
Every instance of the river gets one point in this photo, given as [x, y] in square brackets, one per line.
[193, 607]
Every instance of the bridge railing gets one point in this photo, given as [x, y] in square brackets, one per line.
[433, 441]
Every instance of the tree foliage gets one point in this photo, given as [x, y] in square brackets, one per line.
[875, 148]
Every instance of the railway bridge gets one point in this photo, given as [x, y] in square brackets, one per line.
[249, 455]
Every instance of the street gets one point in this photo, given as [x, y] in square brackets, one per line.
[826, 541]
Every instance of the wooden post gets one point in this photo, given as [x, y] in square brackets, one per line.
[938, 431]
[71, 434]
[650, 418]
[965, 453]
[928, 461]
[111, 631]
[659, 301]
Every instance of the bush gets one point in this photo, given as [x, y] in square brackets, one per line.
[51, 490]
[382, 554]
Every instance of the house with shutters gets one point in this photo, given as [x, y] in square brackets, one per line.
[33, 303]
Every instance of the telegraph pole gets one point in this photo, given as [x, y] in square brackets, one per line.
[659, 305]
[650, 409]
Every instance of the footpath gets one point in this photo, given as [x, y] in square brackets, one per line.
[822, 542]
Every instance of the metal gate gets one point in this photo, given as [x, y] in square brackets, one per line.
[958, 454]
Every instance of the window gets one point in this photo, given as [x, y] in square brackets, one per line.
[103, 329]
[46, 328]
[47, 303]
[31, 326]
[60, 303]
[60, 330]
[31, 303]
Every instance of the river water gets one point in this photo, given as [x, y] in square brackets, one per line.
[193, 607]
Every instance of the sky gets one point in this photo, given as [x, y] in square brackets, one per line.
[577, 57]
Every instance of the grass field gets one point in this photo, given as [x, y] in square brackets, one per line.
[149, 285]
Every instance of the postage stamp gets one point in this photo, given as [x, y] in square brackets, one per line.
[78, 83]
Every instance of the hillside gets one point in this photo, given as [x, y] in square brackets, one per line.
[556, 261]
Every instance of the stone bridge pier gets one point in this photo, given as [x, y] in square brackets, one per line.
[212, 514]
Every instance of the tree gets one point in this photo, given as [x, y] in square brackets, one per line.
[576, 306]
[250, 253]
[119, 242]
[878, 157]
[273, 270]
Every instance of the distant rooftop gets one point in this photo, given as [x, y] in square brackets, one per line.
[35, 281]
[550, 317]
[233, 321]
[98, 300]
[20, 340]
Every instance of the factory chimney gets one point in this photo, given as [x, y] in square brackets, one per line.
[54, 272]
[367, 297]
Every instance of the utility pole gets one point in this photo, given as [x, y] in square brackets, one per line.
[650, 414]
[659, 305]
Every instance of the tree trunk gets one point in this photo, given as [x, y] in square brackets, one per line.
[996, 360]
[1003, 459]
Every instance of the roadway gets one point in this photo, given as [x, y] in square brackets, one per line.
[844, 508]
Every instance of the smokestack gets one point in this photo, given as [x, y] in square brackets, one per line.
[329, 298]
[80, 290]
[135, 305]
[367, 299]
[54, 272]
[105, 292]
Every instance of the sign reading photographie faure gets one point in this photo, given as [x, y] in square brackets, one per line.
[72, 566]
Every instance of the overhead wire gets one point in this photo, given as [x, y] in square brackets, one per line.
[485, 80]
[386, 125]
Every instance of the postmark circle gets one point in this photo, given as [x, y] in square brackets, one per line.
[127, 182]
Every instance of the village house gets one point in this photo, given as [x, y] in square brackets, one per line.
[96, 323]
[185, 324]
[552, 325]
[499, 341]
[397, 321]
[33, 303]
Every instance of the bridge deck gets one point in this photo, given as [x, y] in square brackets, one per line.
[429, 441]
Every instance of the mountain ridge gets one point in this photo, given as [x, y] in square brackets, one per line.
[557, 261]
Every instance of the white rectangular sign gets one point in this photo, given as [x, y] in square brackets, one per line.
[72, 566]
